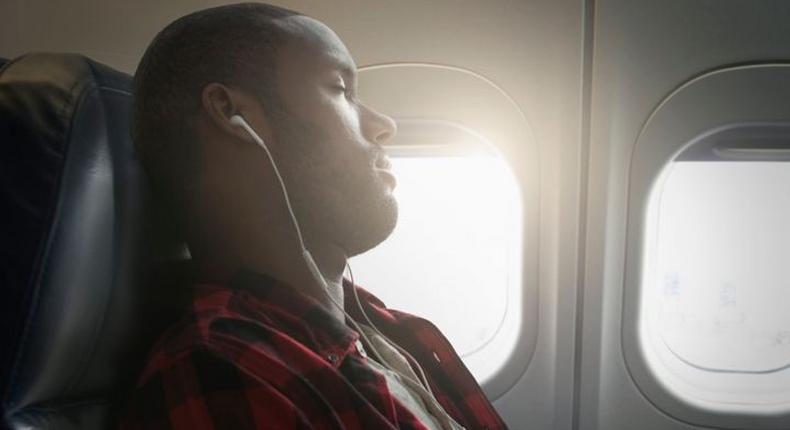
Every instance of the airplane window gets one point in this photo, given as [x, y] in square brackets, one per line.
[453, 258]
[718, 279]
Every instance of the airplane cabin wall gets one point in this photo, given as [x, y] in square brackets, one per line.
[643, 50]
[587, 75]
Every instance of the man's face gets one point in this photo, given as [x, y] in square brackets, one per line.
[327, 143]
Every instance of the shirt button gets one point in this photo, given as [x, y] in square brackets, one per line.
[332, 357]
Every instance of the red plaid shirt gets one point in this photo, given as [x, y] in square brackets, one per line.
[260, 354]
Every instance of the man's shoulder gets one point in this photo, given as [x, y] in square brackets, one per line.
[212, 325]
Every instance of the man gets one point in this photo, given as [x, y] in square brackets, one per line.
[266, 343]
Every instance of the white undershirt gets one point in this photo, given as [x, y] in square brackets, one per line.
[403, 384]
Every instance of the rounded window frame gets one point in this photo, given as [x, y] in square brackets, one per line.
[727, 101]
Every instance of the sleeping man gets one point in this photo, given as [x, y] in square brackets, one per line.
[248, 122]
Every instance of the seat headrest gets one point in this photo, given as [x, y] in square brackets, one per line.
[79, 235]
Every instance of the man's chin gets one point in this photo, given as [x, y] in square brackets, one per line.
[372, 231]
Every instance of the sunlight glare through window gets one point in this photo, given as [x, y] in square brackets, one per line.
[454, 256]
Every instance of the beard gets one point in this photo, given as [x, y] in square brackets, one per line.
[336, 195]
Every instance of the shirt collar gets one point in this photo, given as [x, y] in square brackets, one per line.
[297, 315]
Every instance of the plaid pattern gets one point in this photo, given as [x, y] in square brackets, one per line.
[259, 354]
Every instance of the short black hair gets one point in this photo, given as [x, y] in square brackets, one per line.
[233, 45]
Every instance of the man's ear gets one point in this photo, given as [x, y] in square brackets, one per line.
[220, 103]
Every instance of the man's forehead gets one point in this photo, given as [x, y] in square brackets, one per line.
[316, 38]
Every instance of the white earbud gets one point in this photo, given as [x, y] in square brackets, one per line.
[238, 120]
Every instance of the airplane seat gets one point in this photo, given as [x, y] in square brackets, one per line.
[90, 270]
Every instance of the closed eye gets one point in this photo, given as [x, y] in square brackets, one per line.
[340, 88]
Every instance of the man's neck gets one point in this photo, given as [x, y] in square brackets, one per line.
[331, 261]
[289, 268]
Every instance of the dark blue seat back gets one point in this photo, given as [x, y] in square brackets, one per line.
[86, 259]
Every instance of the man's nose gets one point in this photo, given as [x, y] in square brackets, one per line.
[377, 127]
